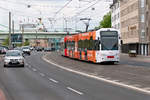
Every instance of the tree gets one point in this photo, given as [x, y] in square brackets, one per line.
[106, 22]
[6, 42]
[26, 43]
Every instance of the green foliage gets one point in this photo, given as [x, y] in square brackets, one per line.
[6, 42]
[26, 43]
[19, 45]
[96, 28]
[106, 22]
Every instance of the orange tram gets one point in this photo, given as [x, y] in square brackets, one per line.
[95, 46]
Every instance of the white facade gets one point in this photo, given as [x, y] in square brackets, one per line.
[115, 15]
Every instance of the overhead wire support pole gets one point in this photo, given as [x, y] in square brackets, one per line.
[9, 29]
[13, 27]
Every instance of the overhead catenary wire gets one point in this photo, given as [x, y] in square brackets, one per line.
[63, 7]
[21, 13]
[88, 7]
[78, 13]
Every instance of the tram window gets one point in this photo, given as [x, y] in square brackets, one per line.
[82, 44]
[73, 45]
[65, 45]
[79, 44]
[91, 46]
[86, 43]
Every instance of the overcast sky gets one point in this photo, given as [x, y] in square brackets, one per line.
[50, 10]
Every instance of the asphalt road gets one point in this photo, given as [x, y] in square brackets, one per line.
[40, 80]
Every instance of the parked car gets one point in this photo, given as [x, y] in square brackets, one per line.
[39, 48]
[3, 50]
[53, 49]
[47, 49]
[13, 58]
[26, 50]
[31, 48]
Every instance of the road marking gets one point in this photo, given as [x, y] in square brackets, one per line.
[99, 78]
[42, 74]
[26, 64]
[52, 80]
[34, 69]
[73, 90]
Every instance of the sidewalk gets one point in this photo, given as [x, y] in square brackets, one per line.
[129, 74]
[140, 58]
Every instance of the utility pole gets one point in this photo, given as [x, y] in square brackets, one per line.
[66, 24]
[75, 23]
[13, 45]
[22, 34]
[13, 27]
[36, 39]
[9, 29]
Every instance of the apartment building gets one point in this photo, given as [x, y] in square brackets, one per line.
[135, 27]
[115, 14]
[147, 24]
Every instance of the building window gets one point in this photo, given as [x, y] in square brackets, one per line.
[143, 33]
[118, 25]
[142, 3]
[142, 18]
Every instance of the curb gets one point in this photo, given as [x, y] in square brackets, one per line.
[98, 78]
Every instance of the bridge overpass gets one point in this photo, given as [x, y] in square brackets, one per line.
[38, 35]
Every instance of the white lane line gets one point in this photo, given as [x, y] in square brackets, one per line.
[52, 80]
[73, 90]
[34, 69]
[101, 79]
[42, 74]
[26, 64]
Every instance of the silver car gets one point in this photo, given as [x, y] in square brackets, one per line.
[26, 50]
[13, 58]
